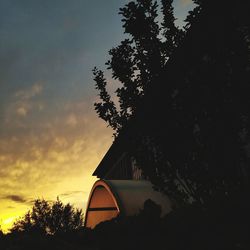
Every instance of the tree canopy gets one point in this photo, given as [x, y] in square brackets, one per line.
[192, 140]
[138, 59]
[50, 218]
[195, 142]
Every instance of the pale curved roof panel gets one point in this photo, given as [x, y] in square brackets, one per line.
[109, 198]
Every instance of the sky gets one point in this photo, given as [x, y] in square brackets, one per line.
[51, 139]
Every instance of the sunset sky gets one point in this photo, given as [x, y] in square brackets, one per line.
[51, 139]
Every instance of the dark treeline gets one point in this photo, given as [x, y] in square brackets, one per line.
[186, 228]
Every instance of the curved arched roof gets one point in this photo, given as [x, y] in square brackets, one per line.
[108, 198]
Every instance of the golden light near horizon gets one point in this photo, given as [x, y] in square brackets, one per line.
[64, 173]
[56, 162]
[8, 219]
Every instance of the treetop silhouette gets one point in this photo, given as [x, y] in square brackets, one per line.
[138, 59]
[49, 218]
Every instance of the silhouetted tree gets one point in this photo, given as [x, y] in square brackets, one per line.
[64, 218]
[50, 218]
[195, 141]
[138, 59]
[192, 131]
[1, 232]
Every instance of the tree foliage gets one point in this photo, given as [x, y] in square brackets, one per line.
[138, 59]
[49, 218]
[195, 142]
[192, 140]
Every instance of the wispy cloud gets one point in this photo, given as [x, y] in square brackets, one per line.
[31, 92]
[71, 193]
[22, 111]
[23, 102]
[15, 198]
[11, 207]
[72, 120]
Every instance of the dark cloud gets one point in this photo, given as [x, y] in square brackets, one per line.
[15, 198]
[71, 193]
[11, 207]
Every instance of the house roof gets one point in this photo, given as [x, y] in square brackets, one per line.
[124, 197]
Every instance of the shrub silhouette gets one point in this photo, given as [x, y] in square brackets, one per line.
[50, 218]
